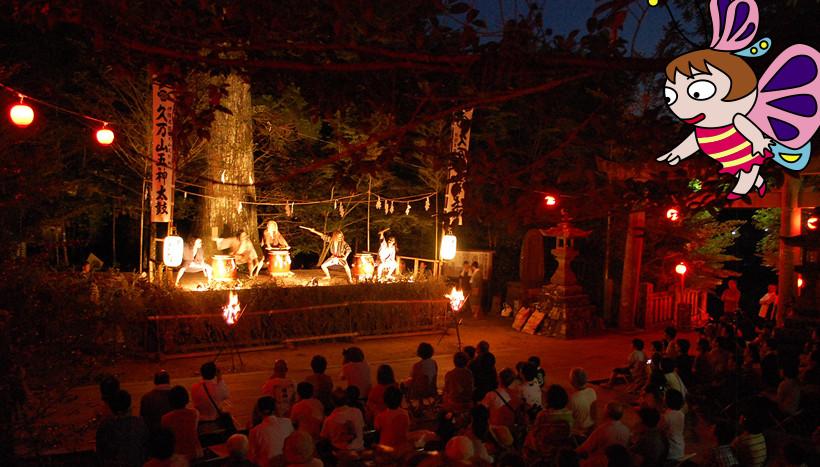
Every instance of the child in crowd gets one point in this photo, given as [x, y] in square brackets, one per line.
[635, 368]
[650, 446]
[385, 378]
[322, 383]
[281, 388]
[356, 370]
[540, 374]
[458, 385]
[393, 423]
[307, 413]
[722, 454]
[750, 445]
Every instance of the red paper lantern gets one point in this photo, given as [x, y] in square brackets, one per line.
[672, 214]
[811, 223]
[550, 200]
[680, 269]
[21, 115]
[105, 136]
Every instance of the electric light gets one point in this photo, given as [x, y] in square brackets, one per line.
[172, 248]
[550, 200]
[21, 114]
[448, 247]
[811, 223]
[105, 136]
[799, 282]
[680, 268]
[672, 214]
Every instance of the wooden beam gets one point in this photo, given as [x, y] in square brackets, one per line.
[806, 199]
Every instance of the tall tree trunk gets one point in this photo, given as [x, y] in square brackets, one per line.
[229, 154]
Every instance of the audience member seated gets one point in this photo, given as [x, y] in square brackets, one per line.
[811, 374]
[307, 413]
[161, 450]
[423, 381]
[788, 391]
[750, 445]
[673, 425]
[322, 383]
[458, 385]
[109, 387]
[393, 423]
[610, 431]
[183, 422]
[635, 369]
[500, 402]
[650, 446]
[356, 370]
[479, 433]
[540, 374]
[268, 438]
[684, 362]
[300, 451]
[552, 428]
[238, 446]
[154, 404]
[485, 378]
[670, 346]
[281, 388]
[121, 438]
[459, 451]
[617, 456]
[703, 371]
[722, 454]
[210, 394]
[794, 455]
[385, 378]
[673, 380]
[581, 403]
[527, 389]
[344, 426]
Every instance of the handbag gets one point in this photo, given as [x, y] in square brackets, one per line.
[223, 419]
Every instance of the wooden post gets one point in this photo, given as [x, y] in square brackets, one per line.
[790, 217]
[631, 279]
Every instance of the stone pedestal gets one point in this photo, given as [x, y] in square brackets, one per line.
[571, 315]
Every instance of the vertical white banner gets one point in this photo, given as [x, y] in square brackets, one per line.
[454, 197]
[162, 155]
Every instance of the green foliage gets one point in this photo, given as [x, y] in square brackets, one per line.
[768, 220]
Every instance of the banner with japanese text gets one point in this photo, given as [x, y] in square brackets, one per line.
[454, 197]
[162, 158]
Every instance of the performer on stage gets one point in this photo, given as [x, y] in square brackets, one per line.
[272, 239]
[339, 250]
[387, 256]
[242, 250]
[193, 260]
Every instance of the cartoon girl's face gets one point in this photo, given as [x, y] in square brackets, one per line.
[698, 100]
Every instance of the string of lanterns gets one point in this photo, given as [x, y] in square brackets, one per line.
[22, 115]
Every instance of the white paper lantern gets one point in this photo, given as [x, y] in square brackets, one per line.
[448, 247]
[172, 248]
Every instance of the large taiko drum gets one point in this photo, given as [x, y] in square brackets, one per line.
[278, 261]
[364, 266]
[224, 267]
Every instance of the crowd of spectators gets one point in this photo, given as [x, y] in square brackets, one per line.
[741, 387]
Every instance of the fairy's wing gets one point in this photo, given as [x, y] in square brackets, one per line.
[787, 104]
[734, 23]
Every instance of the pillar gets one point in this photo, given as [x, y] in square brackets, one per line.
[631, 279]
[790, 217]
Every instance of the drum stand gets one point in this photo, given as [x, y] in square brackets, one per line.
[233, 351]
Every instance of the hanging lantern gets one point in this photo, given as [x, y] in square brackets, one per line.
[680, 268]
[378, 203]
[407, 211]
[448, 247]
[387, 207]
[239, 208]
[105, 136]
[550, 200]
[341, 210]
[672, 214]
[172, 248]
[21, 114]
[392, 207]
[427, 204]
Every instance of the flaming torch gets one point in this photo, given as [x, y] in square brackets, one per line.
[457, 300]
[232, 311]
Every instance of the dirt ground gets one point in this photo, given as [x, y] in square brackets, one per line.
[597, 354]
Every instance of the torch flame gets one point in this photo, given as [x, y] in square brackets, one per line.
[456, 299]
[232, 311]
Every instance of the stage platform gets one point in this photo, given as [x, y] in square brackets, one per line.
[297, 278]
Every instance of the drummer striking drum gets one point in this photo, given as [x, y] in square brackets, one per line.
[193, 260]
[387, 256]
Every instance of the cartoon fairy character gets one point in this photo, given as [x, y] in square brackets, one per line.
[740, 122]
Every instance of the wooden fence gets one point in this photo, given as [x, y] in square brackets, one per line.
[660, 308]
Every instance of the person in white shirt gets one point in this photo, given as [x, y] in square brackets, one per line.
[581, 402]
[209, 395]
[281, 388]
[268, 438]
[526, 387]
[635, 365]
[768, 303]
[672, 424]
[788, 391]
[501, 402]
[344, 427]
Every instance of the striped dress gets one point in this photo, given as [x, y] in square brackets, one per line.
[729, 147]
